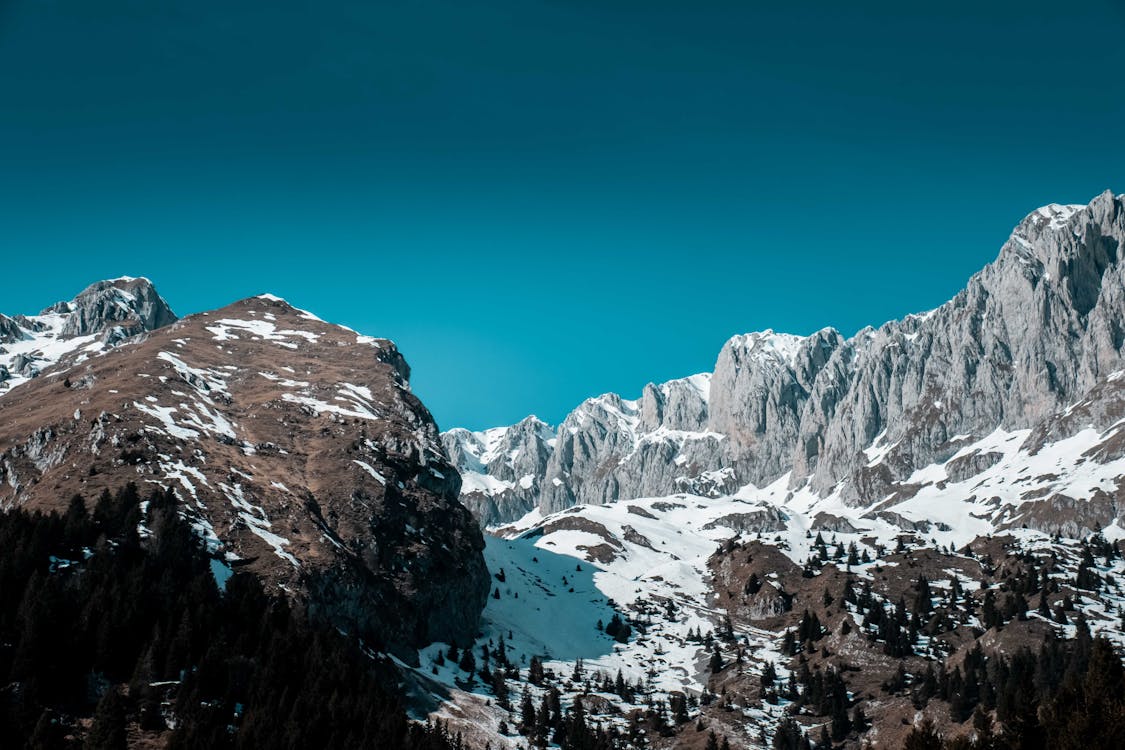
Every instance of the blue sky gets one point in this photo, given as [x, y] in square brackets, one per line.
[543, 201]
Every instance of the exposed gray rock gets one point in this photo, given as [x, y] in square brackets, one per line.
[611, 448]
[10, 331]
[24, 364]
[960, 469]
[753, 522]
[758, 394]
[833, 523]
[897, 519]
[1036, 340]
[1028, 335]
[502, 470]
[118, 311]
[129, 304]
[675, 405]
[30, 324]
[1069, 516]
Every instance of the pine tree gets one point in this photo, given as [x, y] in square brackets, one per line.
[468, 662]
[923, 737]
[716, 661]
[108, 729]
[535, 671]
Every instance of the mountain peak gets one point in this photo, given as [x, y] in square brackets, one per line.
[284, 437]
[1044, 222]
[783, 347]
[103, 315]
[1055, 215]
[129, 303]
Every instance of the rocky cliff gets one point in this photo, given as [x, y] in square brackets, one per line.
[296, 447]
[1036, 335]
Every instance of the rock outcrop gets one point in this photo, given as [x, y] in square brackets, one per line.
[126, 303]
[104, 315]
[1029, 335]
[10, 331]
[611, 448]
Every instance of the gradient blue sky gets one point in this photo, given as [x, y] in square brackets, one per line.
[542, 201]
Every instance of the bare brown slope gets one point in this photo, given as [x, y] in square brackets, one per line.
[297, 447]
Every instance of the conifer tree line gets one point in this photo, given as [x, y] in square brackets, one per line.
[1068, 696]
[112, 626]
[544, 718]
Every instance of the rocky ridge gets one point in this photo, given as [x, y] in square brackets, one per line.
[1032, 347]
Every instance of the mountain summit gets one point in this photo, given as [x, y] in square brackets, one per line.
[101, 316]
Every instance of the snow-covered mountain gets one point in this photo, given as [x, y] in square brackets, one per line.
[741, 575]
[1033, 349]
[961, 464]
[963, 451]
[825, 537]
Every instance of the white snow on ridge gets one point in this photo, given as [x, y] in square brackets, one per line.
[356, 406]
[1057, 214]
[257, 521]
[40, 349]
[361, 339]
[486, 447]
[475, 481]
[229, 329]
[701, 382]
[783, 347]
[286, 382]
[211, 381]
[164, 415]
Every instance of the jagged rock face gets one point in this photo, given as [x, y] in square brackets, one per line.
[758, 393]
[104, 315]
[1033, 336]
[131, 304]
[610, 448]
[501, 469]
[10, 331]
[607, 448]
[678, 405]
[1029, 335]
[298, 451]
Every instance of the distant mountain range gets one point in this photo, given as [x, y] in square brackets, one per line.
[1002, 407]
